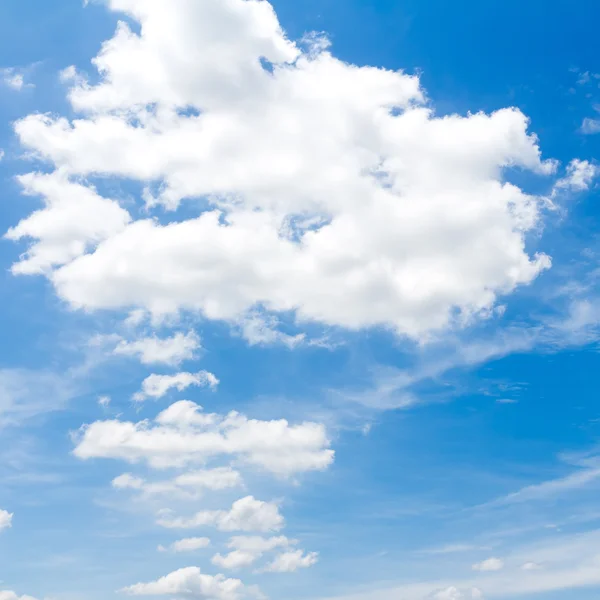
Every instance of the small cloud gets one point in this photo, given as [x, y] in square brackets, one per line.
[14, 78]
[531, 566]
[590, 126]
[491, 564]
[5, 519]
[104, 401]
[507, 401]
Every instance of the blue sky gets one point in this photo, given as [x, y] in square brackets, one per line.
[299, 300]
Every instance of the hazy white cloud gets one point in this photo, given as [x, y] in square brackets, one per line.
[246, 514]
[190, 583]
[5, 519]
[291, 561]
[169, 351]
[9, 595]
[334, 191]
[156, 386]
[491, 564]
[187, 545]
[550, 489]
[590, 126]
[14, 78]
[192, 484]
[183, 434]
[531, 566]
[246, 550]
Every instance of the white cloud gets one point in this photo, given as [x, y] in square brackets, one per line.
[579, 177]
[74, 219]
[104, 401]
[187, 545]
[183, 434]
[1, 154]
[188, 485]
[5, 519]
[491, 564]
[260, 330]
[14, 78]
[334, 192]
[551, 488]
[156, 386]
[453, 593]
[190, 583]
[291, 561]
[590, 126]
[246, 514]
[9, 595]
[246, 550]
[531, 566]
[169, 351]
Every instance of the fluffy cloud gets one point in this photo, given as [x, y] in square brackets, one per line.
[14, 78]
[189, 485]
[187, 545]
[5, 519]
[156, 386]
[579, 177]
[491, 564]
[190, 583]
[74, 218]
[246, 550]
[246, 514]
[328, 189]
[153, 350]
[183, 434]
[291, 561]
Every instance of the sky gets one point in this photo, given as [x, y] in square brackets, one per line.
[299, 300]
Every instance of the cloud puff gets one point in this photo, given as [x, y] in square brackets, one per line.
[246, 550]
[183, 434]
[168, 351]
[156, 386]
[246, 514]
[190, 583]
[491, 564]
[328, 189]
[5, 519]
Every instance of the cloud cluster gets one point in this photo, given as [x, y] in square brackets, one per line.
[183, 434]
[190, 583]
[315, 186]
[246, 514]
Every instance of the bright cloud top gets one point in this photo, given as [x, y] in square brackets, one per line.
[326, 188]
[183, 434]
